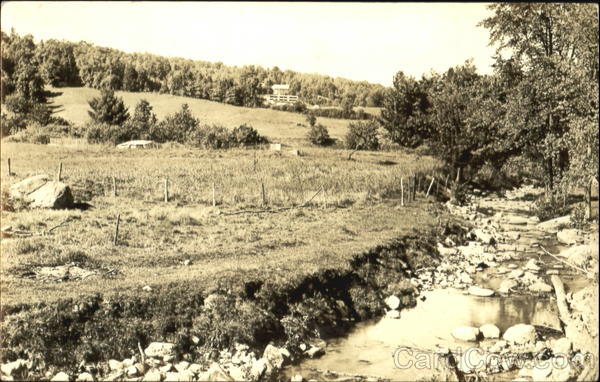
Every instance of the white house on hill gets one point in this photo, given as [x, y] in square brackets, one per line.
[280, 95]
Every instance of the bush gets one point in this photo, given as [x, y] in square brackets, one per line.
[33, 134]
[246, 135]
[318, 135]
[546, 208]
[104, 133]
[108, 108]
[578, 216]
[362, 136]
[211, 137]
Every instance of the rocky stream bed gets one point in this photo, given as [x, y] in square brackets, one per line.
[492, 309]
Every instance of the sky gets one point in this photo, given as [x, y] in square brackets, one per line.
[359, 41]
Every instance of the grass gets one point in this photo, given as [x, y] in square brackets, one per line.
[279, 126]
[358, 210]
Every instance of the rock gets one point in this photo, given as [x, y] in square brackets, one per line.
[132, 371]
[465, 278]
[540, 287]
[562, 372]
[195, 368]
[392, 314]
[515, 274]
[113, 364]
[489, 331]
[392, 302]
[498, 346]
[56, 195]
[561, 346]
[60, 377]
[215, 373]
[160, 350]
[472, 360]
[532, 265]
[512, 235]
[274, 358]
[568, 236]
[237, 374]
[314, 352]
[516, 220]
[166, 368]
[12, 368]
[541, 371]
[174, 376]
[520, 334]
[551, 272]
[484, 237]
[138, 144]
[152, 376]
[147, 288]
[25, 187]
[188, 376]
[258, 368]
[181, 366]
[85, 377]
[512, 266]
[481, 292]
[578, 255]
[553, 225]
[446, 251]
[507, 285]
[465, 333]
[297, 378]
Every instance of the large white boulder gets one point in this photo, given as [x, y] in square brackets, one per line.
[465, 333]
[520, 334]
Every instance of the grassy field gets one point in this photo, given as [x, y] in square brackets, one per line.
[358, 209]
[279, 126]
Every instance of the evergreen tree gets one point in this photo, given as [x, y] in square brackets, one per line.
[108, 108]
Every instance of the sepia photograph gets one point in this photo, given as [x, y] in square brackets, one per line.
[299, 191]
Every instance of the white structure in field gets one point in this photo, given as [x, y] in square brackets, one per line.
[280, 95]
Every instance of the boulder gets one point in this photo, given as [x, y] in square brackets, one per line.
[532, 265]
[472, 360]
[484, 237]
[188, 376]
[562, 372]
[13, 367]
[541, 371]
[215, 373]
[553, 225]
[152, 376]
[507, 285]
[515, 274]
[274, 358]
[85, 377]
[568, 236]
[113, 364]
[60, 377]
[561, 346]
[465, 333]
[40, 192]
[481, 292]
[258, 368]
[314, 352]
[498, 346]
[297, 378]
[489, 331]
[181, 366]
[578, 255]
[138, 144]
[28, 185]
[516, 220]
[540, 287]
[160, 350]
[392, 302]
[520, 334]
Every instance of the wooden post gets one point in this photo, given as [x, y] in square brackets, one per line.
[59, 176]
[446, 182]
[166, 190]
[264, 196]
[9, 170]
[402, 192]
[429, 189]
[213, 195]
[414, 190]
[116, 237]
[114, 187]
[437, 187]
[458, 176]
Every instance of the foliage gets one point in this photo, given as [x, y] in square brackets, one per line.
[11, 124]
[108, 108]
[549, 207]
[318, 135]
[20, 68]
[98, 132]
[143, 121]
[362, 136]
[32, 134]
[579, 216]
[245, 135]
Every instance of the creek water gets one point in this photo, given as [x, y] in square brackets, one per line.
[374, 348]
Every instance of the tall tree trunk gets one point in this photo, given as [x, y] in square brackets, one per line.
[588, 199]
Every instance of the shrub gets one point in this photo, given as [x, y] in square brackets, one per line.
[178, 127]
[11, 125]
[212, 137]
[105, 133]
[318, 135]
[546, 208]
[18, 104]
[33, 134]
[578, 216]
[246, 135]
[362, 136]
[108, 108]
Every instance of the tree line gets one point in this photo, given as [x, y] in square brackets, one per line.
[540, 103]
[65, 63]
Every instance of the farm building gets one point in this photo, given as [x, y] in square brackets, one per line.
[280, 95]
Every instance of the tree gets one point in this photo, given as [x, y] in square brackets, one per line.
[177, 127]
[362, 136]
[318, 135]
[143, 121]
[108, 108]
[57, 63]
[404, 111]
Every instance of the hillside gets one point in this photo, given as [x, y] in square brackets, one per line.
[72, 104]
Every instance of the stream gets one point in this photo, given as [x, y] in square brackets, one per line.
[384, 348]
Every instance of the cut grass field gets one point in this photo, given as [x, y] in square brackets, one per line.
[279, 126]
[358, 210]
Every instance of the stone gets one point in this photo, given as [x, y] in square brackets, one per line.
[25, 187]
[273, 357]
[512, 266]
[85, 377]
[147, 288]
[481, 292]
[392, 314]
[472, 360]
[540, 287]
[174, 376]
[258, 368]
[515, 274]
[520, 334]
[113, 364]
[516, 220]
[392, 302]
[153, 375]
[215, 373]
[137, 144]
[60, 377]
[498, 346]
[314, 352]
[195, 368]
[55, 195]
[551, 272]
[489, 331]
[532, 265]
[578, 255]
[465, 333]
[297, 378]
[568, 236]
[160, 349]
[14, 367]
[561, 346]
[181, 366]
[237, 374]
[562, 373]
[484, 237]
[553, 225]
[541, 371]
[132, 371]
[166, 368]
[512, 235]
[446, 251]
[186, 376]
[507, 285]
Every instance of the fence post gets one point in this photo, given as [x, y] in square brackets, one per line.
[429, 189]
[59, 176]
[402, 192]
[9, 170]
[414, 190]
[213, 195]
[116, 237]
[264, 196]
[114, 187]
[166, 190]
